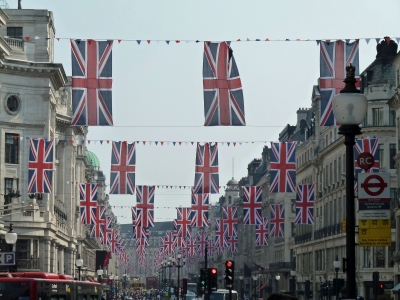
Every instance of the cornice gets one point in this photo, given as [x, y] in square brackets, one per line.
[21, 123]
[55, 72]
[394, 102]
[3, 18]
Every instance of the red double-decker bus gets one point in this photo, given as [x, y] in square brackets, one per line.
[46, 286]
[151, 282]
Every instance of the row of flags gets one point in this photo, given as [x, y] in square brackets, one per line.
[206, 179]
[178, 41]
[222, 87]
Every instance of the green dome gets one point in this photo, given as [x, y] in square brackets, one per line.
[92, 160]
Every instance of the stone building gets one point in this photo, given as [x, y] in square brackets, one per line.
[35, 96]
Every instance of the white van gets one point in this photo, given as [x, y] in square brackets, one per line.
[222, 294]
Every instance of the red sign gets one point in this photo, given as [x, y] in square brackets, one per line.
[365, 160]
[378, 187]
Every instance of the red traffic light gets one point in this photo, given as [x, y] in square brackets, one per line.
[214, 271]
[228, 264]
[381, 286]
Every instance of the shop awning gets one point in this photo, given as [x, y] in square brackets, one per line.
[396, 289]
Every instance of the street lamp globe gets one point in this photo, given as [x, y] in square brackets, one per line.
[292, 273]
[240, 277]
[111, 277]
[99, 272]
[277, 277]
[255, 277]
[11, 237]
[350, 106]
[336, 264]
[116, 277]
[79, 262]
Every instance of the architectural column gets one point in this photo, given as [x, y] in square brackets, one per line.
[45, 253]
[60, 259]
[70, 260]
[52, 257]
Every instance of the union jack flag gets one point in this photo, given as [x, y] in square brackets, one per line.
[262, 233]
[145, 205]
[220, 238]
[210, 248]
[283, 167]
[141, 252]
[334, 58]
[304, 204]
[252, 205]
[143, 241]
[134, 218]
[107, 228]
[206, 179]
[169, 242]
[199, 210]
[230, 220]
[40, 174]
[191, 246]
[370, 146]
[202, 240]
[99, 217]
[183, 222]
[123, 160]
[91, 82]
[277, 220]
[88, 200]
[223, 94]
[232, 243]
[112, 240]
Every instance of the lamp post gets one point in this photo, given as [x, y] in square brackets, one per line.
[241, 286]
[255, 277]
[179, 266]
[11, 238]
[116, 285]
[171, 262]
[99, 274]
[349, 109]
[124, 276]
[79, 264]
[278, 277]
[111, 277]
[336, 265]
[293, 285]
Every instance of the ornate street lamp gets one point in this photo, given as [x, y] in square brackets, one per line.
[79, 264]
[241, 286]
[278, 277]
[336, 265]
[349, 109]
[11, 238]
[293, 285]
[179, 266]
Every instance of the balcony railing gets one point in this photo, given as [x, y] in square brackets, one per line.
[28, 264]
[15, 43]
[282, 265]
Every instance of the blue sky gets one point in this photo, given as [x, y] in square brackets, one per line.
[161, 85]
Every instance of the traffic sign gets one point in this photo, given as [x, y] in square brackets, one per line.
[365, 160]
[374, 233]
[374, 187]
[7, 258]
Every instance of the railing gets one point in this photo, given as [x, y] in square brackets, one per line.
[15, 43]
[28, 264]
[282, 265]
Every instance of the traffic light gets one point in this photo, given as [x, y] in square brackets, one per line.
[176, 291]
[381, 289]
[229, 274]
[184, 286]
[212, 280]
[375, 282]
[324, 289]
[203, 281]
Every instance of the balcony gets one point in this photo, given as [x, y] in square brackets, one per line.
[28, 264]
[282, 266]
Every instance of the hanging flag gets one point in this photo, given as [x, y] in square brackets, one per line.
[202, 240]
[112, 240]
[199, 210]
[107, 230]
[88, 200]
[223, 94]
[123, 160]
[277, 220]
[206, 179]
[252, 205]
[169, 242]
[191, 246]
[370, 146]
[220, 237]
[283, 167]
[232, 244]
[183, 222]
[92, 83]
[145, 205]
[304, 204]
[334, 58]
[40, 173]
[262, 233]
[19, 4]
[230, 220]
[99, 217]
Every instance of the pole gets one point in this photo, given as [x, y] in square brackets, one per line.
[206, 294]
[337, 283]
[349, 132]
[179, 291]
[169, 282]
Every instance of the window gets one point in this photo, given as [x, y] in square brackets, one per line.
[392, 117]
[392, 153]
[23, 250]
[382, 156]
[377, 116]
[12, 148]
[14, 32]
[8, 184]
